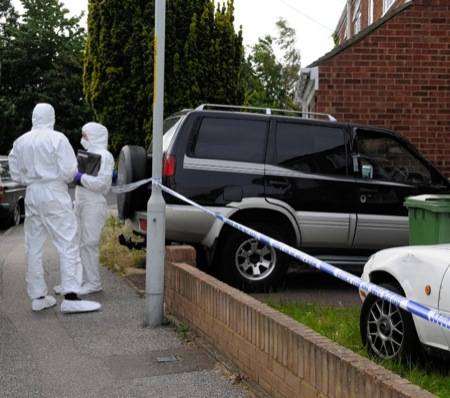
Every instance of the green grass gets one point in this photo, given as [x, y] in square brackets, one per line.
[114, 256]
[342, 326]
[183, 331]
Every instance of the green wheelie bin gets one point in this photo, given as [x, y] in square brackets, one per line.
[429, 219]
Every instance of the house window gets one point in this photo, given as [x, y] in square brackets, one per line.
[370, 11]
[387, 4]
[357, 17]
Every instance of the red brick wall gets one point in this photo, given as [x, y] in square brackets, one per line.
[278, 354]
[377, 9]
[377, 14]
[397, 77]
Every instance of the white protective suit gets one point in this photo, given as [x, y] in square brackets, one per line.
[45, 162]
[91, 207]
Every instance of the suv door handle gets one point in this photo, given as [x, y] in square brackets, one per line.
[365, 196]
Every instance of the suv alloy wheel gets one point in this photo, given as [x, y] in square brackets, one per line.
[249, 264]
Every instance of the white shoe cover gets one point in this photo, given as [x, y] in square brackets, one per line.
[87, 288]
[42, 304]
[57, 289]
[74, 306]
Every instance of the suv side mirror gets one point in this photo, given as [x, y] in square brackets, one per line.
[364, 170]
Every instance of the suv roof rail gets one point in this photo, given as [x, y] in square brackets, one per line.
[267, 111]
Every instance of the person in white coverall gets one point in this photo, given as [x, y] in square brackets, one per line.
[90, 205]
[45, 162]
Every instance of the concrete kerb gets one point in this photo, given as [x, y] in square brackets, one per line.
[297, 360]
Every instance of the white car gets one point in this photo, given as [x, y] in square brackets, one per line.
[422, 274]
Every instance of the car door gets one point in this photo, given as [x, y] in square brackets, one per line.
[307, 170]
[387, 171]
[444, 301]
[224, 159]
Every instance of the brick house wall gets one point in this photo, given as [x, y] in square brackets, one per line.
[378, 12]
[396, 76]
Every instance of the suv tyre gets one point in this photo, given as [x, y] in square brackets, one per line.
[248, 264]
[132, 167]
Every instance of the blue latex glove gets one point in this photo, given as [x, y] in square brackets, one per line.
[114, 177]
[77, 178]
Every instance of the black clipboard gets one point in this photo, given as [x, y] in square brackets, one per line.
[88, 163]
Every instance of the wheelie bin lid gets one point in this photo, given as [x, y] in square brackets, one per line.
[432, 203]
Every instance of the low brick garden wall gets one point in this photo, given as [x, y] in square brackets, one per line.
[285, 358]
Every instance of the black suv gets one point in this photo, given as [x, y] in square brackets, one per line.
[334, 190]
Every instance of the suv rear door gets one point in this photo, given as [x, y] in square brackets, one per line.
[388, 170]
[224, 158]
[308, 169]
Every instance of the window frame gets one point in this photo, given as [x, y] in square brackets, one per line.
[370, 15]
[272, 157]
[357, 16]
[198, 124]
[387, 4]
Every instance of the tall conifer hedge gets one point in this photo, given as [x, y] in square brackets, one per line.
[204, 58]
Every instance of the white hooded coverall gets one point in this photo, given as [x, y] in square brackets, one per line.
[45, 162]
[90, 203]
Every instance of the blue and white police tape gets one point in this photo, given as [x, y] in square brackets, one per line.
[411, 306]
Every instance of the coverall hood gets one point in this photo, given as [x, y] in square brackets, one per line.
[97, 135]
[43, 117]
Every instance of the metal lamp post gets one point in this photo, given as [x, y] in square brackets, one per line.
[156, 207]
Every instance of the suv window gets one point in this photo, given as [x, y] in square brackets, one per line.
[4, 171]
[390, 160]
[170, 122]
[231, 139]
[169, 133]
[311, 148]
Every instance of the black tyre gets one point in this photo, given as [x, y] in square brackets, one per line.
[250, 265]
[15, 217]
[202, 258]
[387, 331]
[132, 168]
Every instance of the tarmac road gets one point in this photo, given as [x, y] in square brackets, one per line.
[313, 287]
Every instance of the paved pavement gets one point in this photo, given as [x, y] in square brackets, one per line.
[105, 354]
